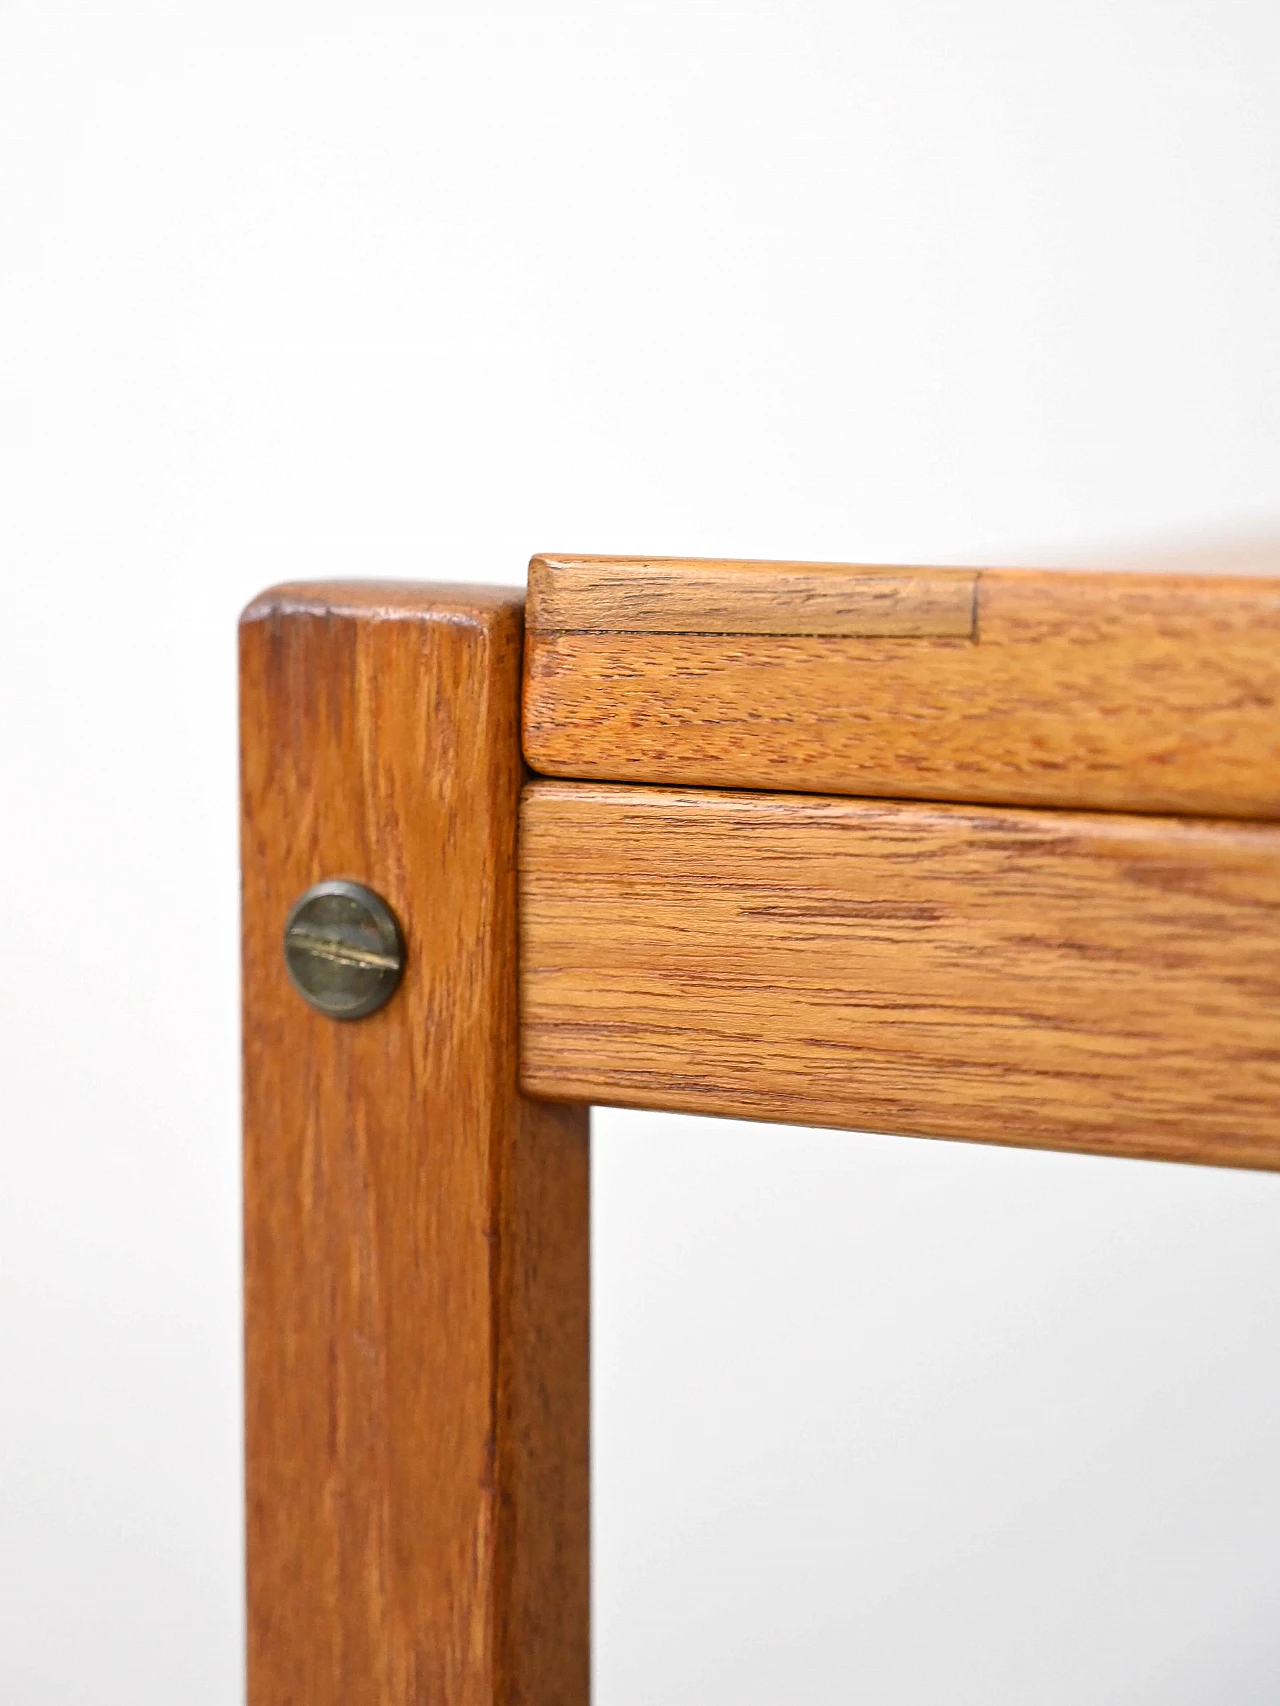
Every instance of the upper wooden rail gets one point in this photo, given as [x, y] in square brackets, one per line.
[1112, 690]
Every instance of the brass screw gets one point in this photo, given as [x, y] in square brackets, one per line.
[343, 949]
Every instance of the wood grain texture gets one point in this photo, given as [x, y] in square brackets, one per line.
[1071, 981]
[636, 595]
[1094, 690]
[416, 1240]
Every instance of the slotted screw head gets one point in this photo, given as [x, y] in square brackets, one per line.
[343, 949]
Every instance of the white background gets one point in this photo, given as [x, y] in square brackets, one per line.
[297, 290]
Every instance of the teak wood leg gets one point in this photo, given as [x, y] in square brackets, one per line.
[416, 1232]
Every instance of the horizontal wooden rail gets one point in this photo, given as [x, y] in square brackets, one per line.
[1074, 981]
[1112, 691]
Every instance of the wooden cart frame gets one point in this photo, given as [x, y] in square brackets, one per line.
[976, 854]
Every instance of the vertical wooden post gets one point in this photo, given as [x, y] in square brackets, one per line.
[416, 1285]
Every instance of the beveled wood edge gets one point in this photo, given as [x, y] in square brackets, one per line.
[389, 600]
[624, 595]
[790, 598]
[573, 1092]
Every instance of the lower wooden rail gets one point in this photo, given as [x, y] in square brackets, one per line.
[1041, 978]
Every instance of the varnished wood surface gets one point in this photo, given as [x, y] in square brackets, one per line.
[631, 595]
[416, 1285]
[1096, 690]
[1074, 981]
